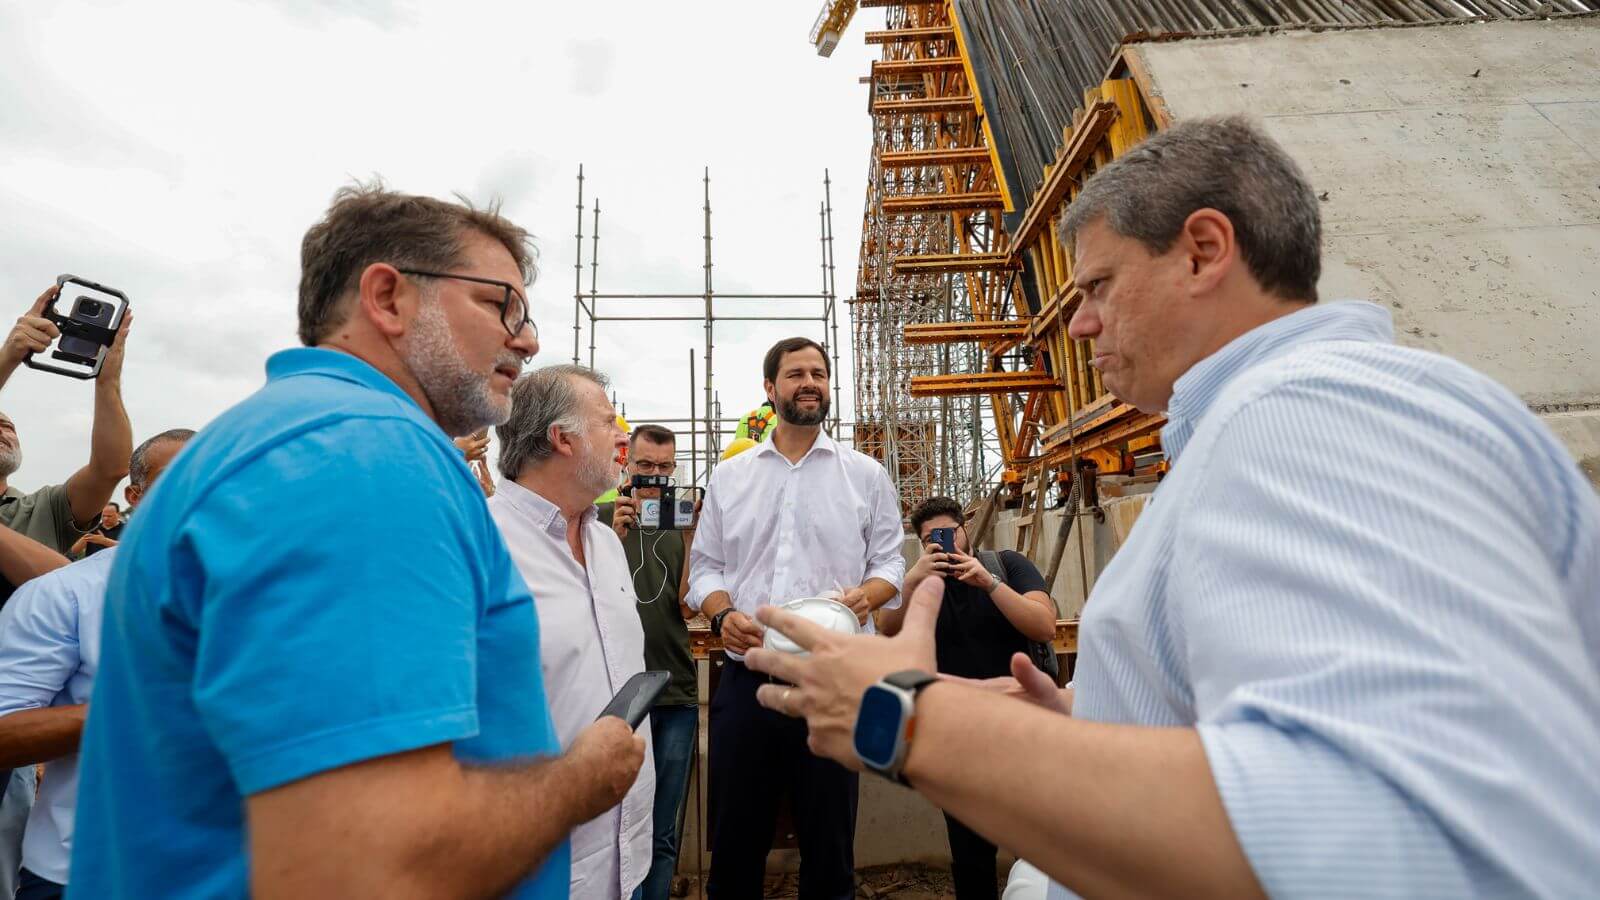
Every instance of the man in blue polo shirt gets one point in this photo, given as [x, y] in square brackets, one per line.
[300, 696]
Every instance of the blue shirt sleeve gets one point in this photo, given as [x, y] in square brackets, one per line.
[1383, 666]
[38, 643]
[341, 588]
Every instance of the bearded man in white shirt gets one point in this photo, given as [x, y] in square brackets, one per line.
[797, 515]
[558, 453]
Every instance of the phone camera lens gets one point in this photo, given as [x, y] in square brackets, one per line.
[90, 307]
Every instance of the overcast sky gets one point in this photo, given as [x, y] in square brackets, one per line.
[181, 156]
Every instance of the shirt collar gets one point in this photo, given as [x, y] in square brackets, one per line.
[1195, 391]
[823, 444]
[540, 511]
[333, 364]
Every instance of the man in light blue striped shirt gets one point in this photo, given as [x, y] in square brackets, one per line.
[1352, 646]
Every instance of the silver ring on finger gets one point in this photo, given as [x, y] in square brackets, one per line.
[785, 701]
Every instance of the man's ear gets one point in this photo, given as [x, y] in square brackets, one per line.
[386, 299]
[1209, 248]
[132, 495]
[562, 442]
[769, 387]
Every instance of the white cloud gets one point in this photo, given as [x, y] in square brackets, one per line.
[181, 154]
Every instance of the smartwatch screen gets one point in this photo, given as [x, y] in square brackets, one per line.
[878, 726]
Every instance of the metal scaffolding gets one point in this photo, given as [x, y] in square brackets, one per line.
[707, 426]
[930, 255]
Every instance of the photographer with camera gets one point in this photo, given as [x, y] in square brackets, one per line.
[57, 515]
[994, 608]
[657, 558]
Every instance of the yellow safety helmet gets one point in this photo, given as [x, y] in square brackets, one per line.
[738, 446]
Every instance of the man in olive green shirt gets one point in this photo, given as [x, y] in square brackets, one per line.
[57, 515]
[657, 560]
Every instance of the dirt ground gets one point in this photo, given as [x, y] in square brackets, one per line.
[906, 881]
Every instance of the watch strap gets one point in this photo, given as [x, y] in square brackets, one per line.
[912, 681]
[716, 621]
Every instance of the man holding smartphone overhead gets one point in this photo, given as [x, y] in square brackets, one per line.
[57, 515]
[287, 707]
[795, 516]
[558, 452]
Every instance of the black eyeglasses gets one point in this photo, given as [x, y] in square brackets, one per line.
[513, 309]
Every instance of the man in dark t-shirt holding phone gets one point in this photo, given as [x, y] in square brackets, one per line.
[984, 621]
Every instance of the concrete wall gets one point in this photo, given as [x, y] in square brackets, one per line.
[1090, 544]
[1460, 173]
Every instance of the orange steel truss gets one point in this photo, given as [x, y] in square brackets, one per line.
[952, 306]
[932, 253]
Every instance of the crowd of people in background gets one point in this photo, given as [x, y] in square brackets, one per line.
[1294, 678]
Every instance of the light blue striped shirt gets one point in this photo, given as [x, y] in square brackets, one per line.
[1372, 583]
[49, 653]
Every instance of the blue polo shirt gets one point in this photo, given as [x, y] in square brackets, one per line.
[314, 581]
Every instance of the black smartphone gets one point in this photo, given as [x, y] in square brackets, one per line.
[89, 311]
[94, 313]
[633, 702]
[944, 537]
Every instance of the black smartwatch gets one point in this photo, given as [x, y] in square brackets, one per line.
[885, 722]
[716, 621]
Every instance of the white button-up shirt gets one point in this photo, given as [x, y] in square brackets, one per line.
[772, 531]
[590, 644]
[49, 651]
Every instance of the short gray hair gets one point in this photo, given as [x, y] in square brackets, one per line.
[541, 399]
[1227, 164]
[368, 223]
[139, 463]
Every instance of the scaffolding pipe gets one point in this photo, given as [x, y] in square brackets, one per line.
[694, 461]
[594, 274]
[711, 441]
[577, 275]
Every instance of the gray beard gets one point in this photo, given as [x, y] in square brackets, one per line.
[461, 400]
[10, 461]
[794, 415]
[595, 473]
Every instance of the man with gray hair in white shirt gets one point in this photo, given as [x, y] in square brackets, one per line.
[558, 452]
[797, 515]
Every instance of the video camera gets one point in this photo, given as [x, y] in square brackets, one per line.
[673, 510]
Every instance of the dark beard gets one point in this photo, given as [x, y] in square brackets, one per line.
[791, 412]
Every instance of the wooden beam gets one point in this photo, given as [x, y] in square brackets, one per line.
[1108, 439]
[1098, 413]
[982, 383]
[921, 203]
[960, 103]
[951, 263]
[957, 332]
[904, 35]
[1046, 203]
[881, 4]
[954, 156]
[893, 67]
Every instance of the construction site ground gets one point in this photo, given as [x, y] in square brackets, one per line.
[906, 881]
